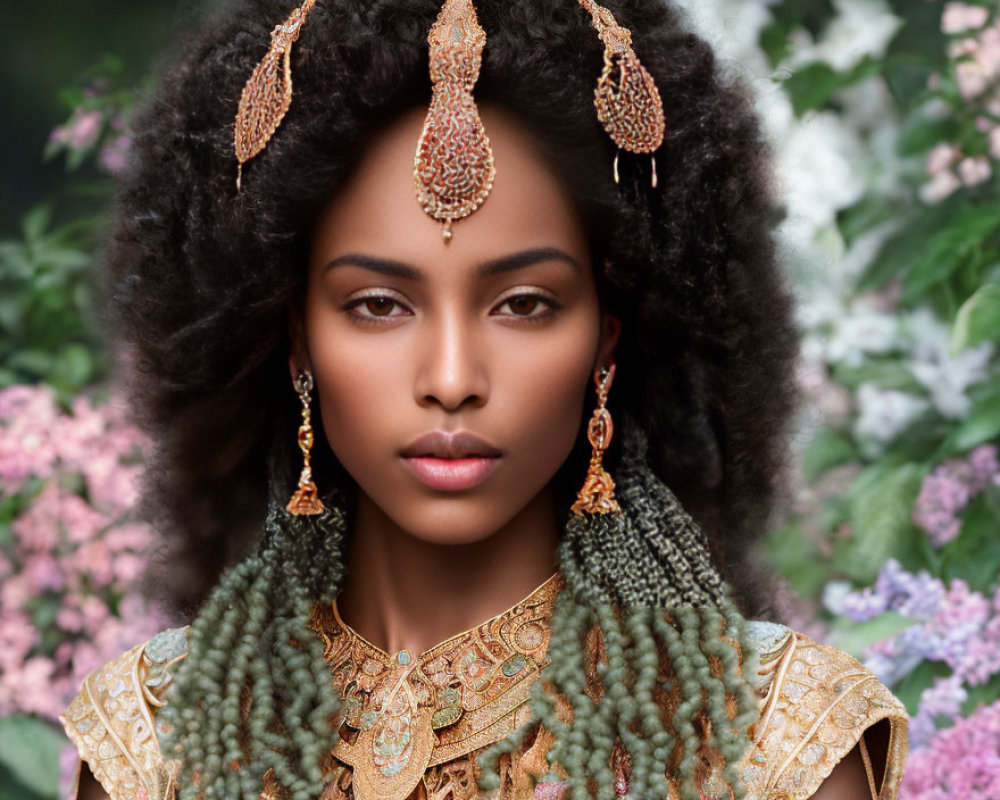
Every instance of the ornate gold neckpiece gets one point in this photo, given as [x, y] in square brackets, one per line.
[405, 713]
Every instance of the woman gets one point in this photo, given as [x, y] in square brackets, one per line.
[473, 330]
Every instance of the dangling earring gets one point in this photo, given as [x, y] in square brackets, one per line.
[305, 501]
[597, 496]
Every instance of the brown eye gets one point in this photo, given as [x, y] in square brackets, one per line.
[523, 304]
[379, 306]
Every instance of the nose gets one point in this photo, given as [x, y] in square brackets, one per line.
[452, 364]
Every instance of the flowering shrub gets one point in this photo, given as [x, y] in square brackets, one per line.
[893, 243]
[71, 556]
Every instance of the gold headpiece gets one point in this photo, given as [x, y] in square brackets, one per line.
[267, 94]
[453, 166]
[627, 100]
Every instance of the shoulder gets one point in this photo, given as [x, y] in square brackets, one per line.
[112, 719]
[816, 703]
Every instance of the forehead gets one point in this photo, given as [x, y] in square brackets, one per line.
[377, 210]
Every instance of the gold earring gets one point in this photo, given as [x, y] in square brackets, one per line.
[305, 501]
[597, 496]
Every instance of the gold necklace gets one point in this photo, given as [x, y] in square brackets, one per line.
[405, 713]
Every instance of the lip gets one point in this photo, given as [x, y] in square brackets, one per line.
[451, 474]
[442, 444]
[450, 461]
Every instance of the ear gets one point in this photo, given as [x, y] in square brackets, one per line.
[611, 331]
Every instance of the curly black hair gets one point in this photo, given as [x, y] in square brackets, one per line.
[204, 282]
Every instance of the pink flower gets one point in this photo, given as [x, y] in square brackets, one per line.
[942, 156]
[960, 17]
[974, 170]
[17, 638]
[82, 130]
[112, 157]
[949, 488]
[960, 762]
[972, 79]
[44, 573]
[995, 143]
[943, 184]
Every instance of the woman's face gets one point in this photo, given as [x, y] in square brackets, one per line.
[494, 334]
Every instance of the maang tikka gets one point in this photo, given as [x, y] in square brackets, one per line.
[597, 495]
[453, 168]
[305, 501]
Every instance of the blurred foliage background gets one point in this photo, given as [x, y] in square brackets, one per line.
[885, 119]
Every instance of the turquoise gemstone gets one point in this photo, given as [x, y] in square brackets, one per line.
[514, 665]
[404, 657]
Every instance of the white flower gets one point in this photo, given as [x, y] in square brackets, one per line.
[834, 594]
[859, 333]
[861, 28]
[946, 378]
[883, 414]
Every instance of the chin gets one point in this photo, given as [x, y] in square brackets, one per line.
[451, 521]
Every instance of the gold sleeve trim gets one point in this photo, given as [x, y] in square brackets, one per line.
[111, 720]
[814, 711]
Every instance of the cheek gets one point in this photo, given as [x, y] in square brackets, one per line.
[361, 382]
[540, 393]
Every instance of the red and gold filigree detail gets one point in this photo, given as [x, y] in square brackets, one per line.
[267, 94]
[627, 100]
[453, 167]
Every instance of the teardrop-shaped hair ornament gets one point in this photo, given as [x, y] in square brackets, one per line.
[627, 100]
[453, 167]
[268, 92]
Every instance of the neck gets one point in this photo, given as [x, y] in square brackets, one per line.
[401, 592]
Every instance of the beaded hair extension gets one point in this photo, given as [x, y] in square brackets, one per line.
[254, 696]
[669, 627]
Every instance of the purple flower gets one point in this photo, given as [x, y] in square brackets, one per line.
[949, 488]
[943, 699]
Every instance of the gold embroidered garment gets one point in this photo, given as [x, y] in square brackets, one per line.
[413, 724]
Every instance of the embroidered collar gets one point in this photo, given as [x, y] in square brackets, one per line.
[405, 713]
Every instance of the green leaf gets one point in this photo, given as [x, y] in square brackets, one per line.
[829, 449]
[978, 320]
[73, 367]
[984, 694]
[793, 554]
[855, 638]
[884, 373]
[974, 554]
[29, 750]
[909, 688]
[36, 222]
[904, 246]
[879, 504]
[949, 248]
[810, 86]
[981, 424]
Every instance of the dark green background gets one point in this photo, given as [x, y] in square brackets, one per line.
[48, 45]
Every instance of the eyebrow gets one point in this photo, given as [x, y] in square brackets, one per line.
[496, 266]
